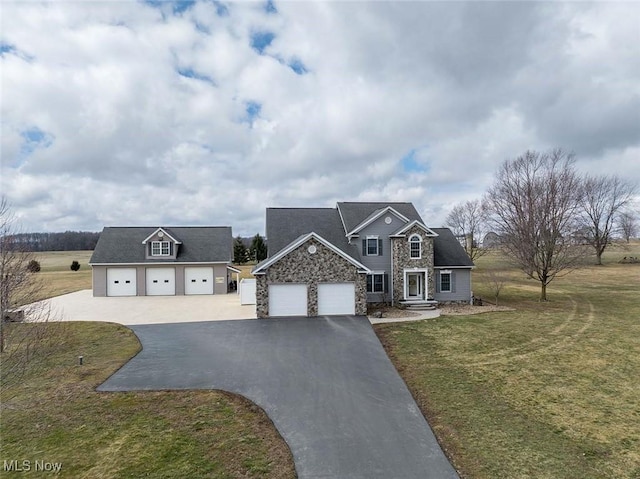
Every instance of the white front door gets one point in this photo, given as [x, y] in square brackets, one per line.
[415, 285]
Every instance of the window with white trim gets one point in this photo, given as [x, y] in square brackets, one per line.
[415, 247]
[372, 246]
[375, 283]
[160, 248]
[445, 282]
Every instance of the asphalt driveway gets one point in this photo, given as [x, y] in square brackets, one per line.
[326, 383]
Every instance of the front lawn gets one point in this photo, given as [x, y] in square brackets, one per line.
[55, 415]
[550, 390]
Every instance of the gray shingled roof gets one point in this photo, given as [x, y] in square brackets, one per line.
[200, 244]
[285, 225]
[355, 213]
[447, 250]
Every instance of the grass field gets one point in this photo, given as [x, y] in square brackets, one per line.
[551, 390]
[56, 416]
[57, 278]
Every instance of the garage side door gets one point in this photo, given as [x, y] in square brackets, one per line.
[121, 282]
[161, 281]
[336, 298]
[287, 300]
[198, 280]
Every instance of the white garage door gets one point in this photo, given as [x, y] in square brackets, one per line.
[198, 280]
[287, 300]
[161, 281]
[336, 298]
[121, 281]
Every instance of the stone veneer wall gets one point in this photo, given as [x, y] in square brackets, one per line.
[300, 266]
[402, 260]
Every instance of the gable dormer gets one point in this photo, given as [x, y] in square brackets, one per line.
[161, 245]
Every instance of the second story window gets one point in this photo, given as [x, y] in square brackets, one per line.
[415, 245]
[160, 248]
[372, 246]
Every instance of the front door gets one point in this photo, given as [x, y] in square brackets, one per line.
[414, 285]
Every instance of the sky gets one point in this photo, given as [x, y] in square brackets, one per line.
[156, 113]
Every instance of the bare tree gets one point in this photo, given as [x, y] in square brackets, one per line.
[27, 334]
[468, 220]
[628, 223]
[533, 203]
[495, 281]
[603, 199]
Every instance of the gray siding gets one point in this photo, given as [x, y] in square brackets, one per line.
[379, 263]
[460, 286]
[99, 279]
[219, 271]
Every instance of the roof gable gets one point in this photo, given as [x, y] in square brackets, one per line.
[374, 216]
[259, 269]
[161, 232]
[353, 214]
[419, 224]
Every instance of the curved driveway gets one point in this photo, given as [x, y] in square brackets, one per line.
[326, 383]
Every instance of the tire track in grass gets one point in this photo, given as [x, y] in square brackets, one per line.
[505, 355]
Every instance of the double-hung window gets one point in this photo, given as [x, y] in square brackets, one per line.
[372, 246]
[415, 247]
[375, 283]
[160, 248]
[445, 282]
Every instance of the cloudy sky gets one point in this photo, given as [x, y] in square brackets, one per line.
[187, 113]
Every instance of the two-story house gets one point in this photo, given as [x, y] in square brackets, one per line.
[329, 261]
[162, 261]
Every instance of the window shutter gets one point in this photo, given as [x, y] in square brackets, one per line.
[438, 282]
[453, 281]
[364, 247]
[386, 283]
[379, 247]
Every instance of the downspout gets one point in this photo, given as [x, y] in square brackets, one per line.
[391, 279]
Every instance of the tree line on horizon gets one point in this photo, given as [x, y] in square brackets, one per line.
[66, 241]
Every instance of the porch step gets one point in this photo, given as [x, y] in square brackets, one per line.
[426, 305]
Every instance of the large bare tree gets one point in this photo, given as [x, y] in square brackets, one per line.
[27, 335]
[603, 199]
[534, 203]
[468, 221]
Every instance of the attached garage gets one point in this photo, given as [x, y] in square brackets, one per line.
[287, 300]
[198, 280]
[336, 298]
[121, 281]
[161, 281]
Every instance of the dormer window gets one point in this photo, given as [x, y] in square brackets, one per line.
[415, 246]
[160, 248]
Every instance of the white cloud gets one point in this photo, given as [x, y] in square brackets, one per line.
[146, 110]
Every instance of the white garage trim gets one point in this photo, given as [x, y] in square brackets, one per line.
[161, 281]
[336, 298]
[198, 280]
[121, 282]
[287, 300]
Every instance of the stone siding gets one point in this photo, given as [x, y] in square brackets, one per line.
[301, 266]
[402, 260]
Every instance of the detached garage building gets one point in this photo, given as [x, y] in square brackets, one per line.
[162, 261]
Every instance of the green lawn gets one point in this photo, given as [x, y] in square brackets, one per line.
[551, 390]
[55, 415]
[56, 277]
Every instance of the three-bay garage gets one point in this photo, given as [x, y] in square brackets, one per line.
[161, 281]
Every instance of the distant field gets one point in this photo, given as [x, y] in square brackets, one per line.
[549, 390]
[56, 277]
